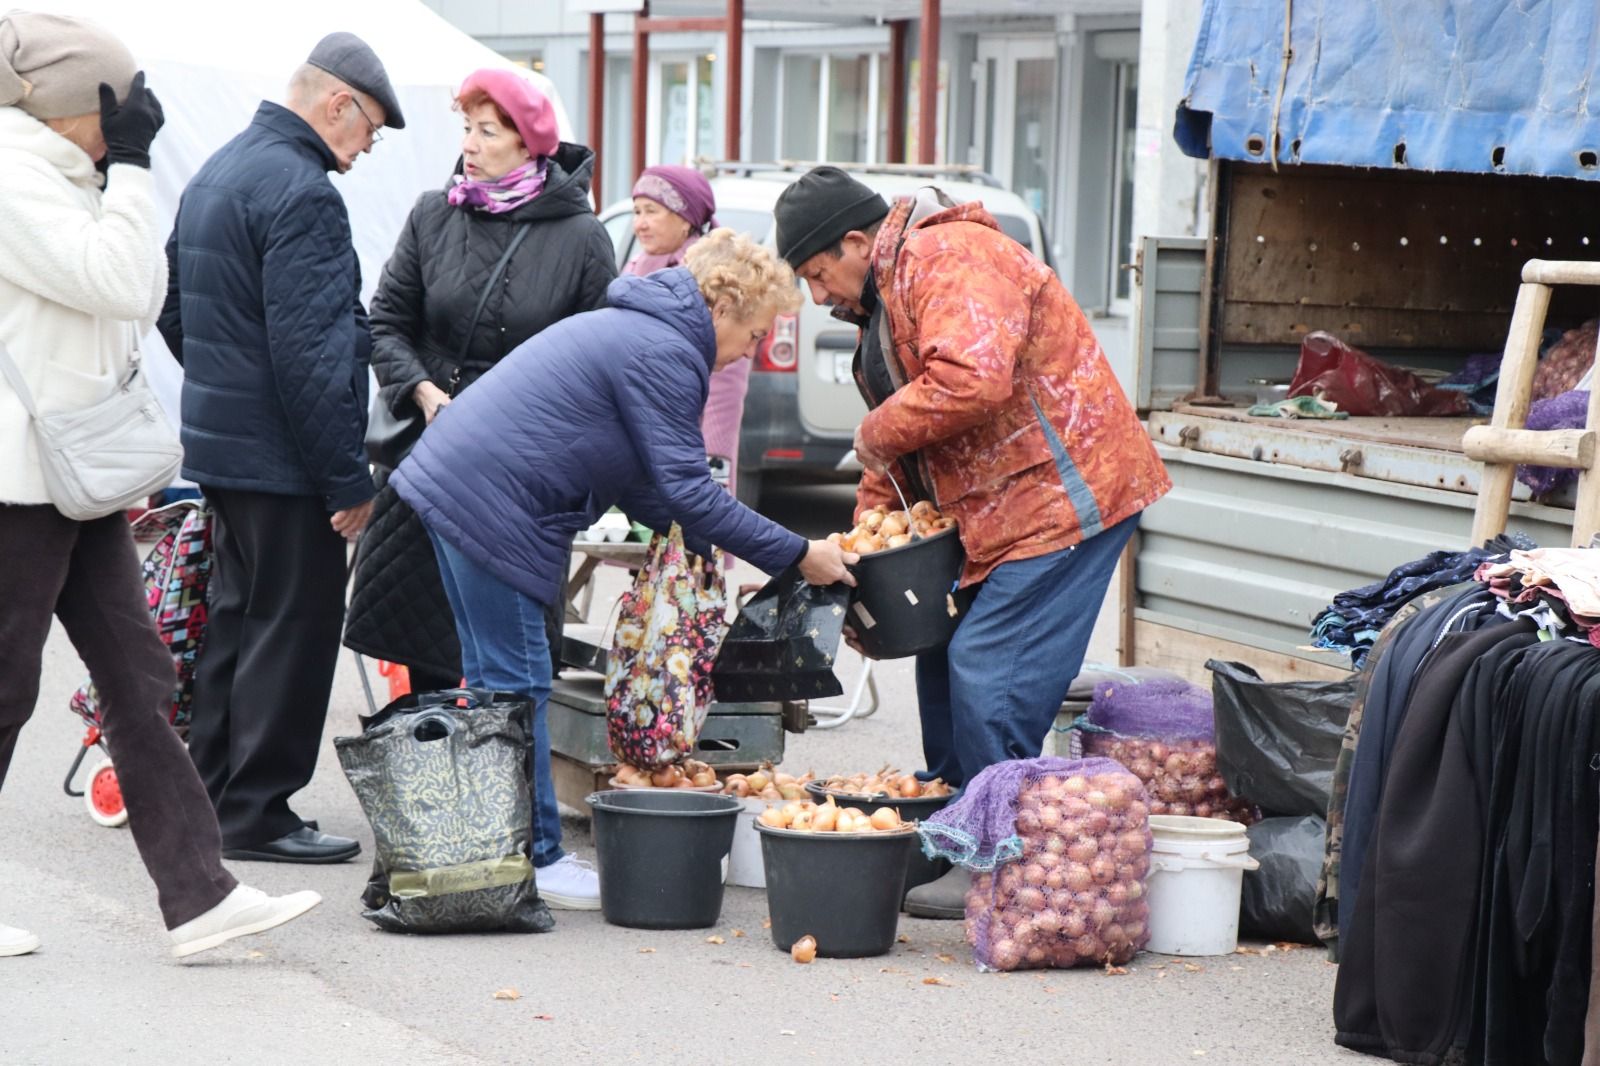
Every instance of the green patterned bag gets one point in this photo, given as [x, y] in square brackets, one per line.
[443, 780]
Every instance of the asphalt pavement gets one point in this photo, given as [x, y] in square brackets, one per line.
[330, 988]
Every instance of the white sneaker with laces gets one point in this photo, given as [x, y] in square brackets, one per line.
[245, 911]
[569, 884]
[14, 941]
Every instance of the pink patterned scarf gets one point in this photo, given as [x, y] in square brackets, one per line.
[504, 194]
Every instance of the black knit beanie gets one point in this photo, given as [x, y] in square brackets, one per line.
[815, 213]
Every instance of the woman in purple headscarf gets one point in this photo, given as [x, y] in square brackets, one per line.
[672, 208]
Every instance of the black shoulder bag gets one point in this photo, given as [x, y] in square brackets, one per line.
[390, 437]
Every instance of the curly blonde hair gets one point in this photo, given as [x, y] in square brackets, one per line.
[730, 267]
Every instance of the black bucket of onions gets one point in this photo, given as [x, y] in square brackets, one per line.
[843, 889]
[920, 870]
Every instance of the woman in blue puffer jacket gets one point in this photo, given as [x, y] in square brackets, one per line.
[598, 410]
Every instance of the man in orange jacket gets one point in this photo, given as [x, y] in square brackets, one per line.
[989, 396]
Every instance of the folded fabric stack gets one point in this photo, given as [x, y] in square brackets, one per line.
[1557, 588]
[1355, 618]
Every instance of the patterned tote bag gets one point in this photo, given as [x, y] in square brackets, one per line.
[658, 678]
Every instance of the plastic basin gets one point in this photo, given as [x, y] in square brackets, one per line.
[660, 854]
[844, 889]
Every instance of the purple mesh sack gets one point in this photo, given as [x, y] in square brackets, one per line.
[1570, 410]
[1162, 730]
[1061, 850]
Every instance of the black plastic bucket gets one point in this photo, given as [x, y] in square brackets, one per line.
[843, 889]
[902, 601]
[660, 853]
[919, 868]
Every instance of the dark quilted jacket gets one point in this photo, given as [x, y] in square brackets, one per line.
[432, 282]
[263, 312]
[420, 313]
[601, 409]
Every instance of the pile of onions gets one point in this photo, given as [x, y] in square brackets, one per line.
[881, 528]
[1179, 775]
[807, 817]
[887, 782]
[766, 783]
[691, 773]
[1076, 896]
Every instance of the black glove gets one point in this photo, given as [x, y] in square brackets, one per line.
[130, 127]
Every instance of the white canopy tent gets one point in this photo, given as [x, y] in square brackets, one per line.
[212, 64]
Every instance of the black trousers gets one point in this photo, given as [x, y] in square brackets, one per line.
[262, 681]
[87, 575]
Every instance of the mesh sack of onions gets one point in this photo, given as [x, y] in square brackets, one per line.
[1060, 850]
[1162, 730]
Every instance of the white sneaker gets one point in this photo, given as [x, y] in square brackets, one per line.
[15, 941]
[246, 910]
[569, 884]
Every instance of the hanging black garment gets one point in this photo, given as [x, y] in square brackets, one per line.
[1416, 908]
[1536, 915]
[1384, 712]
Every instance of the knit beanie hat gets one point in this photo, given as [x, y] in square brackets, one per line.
[815, 213]
[525, 105]
[51, 66]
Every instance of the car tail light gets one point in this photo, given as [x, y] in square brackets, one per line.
[781, 350]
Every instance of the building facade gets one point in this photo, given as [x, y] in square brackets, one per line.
[1067, 102]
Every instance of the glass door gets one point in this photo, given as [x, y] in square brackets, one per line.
[1014, 117]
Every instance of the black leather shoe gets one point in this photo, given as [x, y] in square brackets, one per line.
[305, 845]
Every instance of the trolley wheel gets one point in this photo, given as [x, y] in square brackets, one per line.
[103, 796]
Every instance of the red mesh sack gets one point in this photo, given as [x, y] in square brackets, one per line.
[1162, 730]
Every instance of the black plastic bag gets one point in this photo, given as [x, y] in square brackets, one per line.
[1277, 900]
[783, 644]
[443, 779]
[1277, 742]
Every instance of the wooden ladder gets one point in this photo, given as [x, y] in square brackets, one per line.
[1505, 441]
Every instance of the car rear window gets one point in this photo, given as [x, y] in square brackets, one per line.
[753, 224]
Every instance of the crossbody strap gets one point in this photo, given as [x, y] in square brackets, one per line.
[13, 374]
[483, 300]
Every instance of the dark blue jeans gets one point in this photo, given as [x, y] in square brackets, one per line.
[992, 694]
[504, 648]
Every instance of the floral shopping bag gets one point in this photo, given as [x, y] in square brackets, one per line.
[658, 678]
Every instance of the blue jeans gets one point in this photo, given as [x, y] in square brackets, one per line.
[993, 692]
[504, 648]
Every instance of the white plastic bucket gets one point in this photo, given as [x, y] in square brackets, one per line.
[745, 866]
[1197, 870]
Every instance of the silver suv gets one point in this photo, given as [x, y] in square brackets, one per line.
[802, 409]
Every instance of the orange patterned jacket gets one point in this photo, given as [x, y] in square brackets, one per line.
[1019, 425]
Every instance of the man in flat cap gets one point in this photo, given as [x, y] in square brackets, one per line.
[990, 397]
[263, 311]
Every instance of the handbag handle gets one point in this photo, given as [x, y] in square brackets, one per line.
[483, 300]
[472, 697]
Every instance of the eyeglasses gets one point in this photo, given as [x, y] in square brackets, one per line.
[373, 126]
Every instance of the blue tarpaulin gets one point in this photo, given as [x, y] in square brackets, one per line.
[1497, 86]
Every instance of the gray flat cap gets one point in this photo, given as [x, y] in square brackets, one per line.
[348, 58]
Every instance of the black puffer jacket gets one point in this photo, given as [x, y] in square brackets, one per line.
[420, 314]
[432, 283]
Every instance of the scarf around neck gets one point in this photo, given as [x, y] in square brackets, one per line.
[503, 194]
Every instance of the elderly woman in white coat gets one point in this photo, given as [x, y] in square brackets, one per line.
[81, 275]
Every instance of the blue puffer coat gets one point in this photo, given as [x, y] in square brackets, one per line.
[600, 409]
[263, 312]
